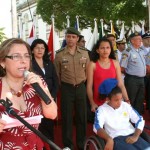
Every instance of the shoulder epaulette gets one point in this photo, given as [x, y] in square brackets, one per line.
[128, 49]
[60, 50]
[142, 48]
[83, 49]
[115, 51]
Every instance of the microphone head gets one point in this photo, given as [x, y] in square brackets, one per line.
[25, 74]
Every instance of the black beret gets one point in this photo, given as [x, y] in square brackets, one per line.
[146, 35]
[134, 34]
[72, 30]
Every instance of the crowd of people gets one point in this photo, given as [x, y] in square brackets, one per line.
[114, 81]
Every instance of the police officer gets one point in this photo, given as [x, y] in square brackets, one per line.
[146, 43]
[133, 64]
[71, 63]
[146, 49]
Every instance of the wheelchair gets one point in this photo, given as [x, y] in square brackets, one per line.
[94, 142]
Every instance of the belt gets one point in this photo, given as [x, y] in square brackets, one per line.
[133, 76]
[72, 85]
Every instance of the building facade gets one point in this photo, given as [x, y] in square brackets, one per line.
[26, 16]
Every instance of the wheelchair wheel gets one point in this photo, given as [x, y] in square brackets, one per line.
[94, 143]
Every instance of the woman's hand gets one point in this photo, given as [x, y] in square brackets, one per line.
[94, 107]
[2, 124]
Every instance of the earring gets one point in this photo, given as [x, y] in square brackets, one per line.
[3, 66]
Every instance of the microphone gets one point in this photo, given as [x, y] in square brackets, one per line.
[39, 90]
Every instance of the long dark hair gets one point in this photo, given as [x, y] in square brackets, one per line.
[46, 56]
[95, 55]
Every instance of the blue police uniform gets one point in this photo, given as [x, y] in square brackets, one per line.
[135, 68]
[147, 83]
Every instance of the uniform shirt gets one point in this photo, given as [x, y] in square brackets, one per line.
[119, 54]
[71, 68]
[147, 58]
[134, 62]
[116, 122]
[145, 49]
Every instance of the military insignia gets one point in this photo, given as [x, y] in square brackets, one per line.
[124, 56]
[83, 61]
[125, 114]
[64, 60]
[128, 49]
[134, 56]
[60, 50]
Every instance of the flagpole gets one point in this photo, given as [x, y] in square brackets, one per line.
[53, 25]
[20, 25]
[148, 2]
[34, 23]
[14, 18]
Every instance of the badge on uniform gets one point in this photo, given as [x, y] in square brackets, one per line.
[125, 114]
[83, 61]
[134, 56]
[65, 62]
[124, 56]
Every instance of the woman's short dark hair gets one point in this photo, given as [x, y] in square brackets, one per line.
[95, 55]
[40, 41]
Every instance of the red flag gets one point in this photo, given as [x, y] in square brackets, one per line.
[32, 32]
[50, 44]
[31, 36]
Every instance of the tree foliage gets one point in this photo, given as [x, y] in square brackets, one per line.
[2, 35]
[87, 10]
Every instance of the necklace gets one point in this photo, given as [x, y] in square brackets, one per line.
[18, 94]
[13, 92]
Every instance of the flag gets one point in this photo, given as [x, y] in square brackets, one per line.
[101, 29]
[53, 41]
[51, 44]
[31, 36]
[94, 38]
[77, 23]
[122, 32]
[142, 29]
[133, 27]
[113, 32]
[68, 25]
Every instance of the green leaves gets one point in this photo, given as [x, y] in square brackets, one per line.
[125, 10]
[2, 35]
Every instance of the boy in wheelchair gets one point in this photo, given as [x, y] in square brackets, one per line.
[113, 120]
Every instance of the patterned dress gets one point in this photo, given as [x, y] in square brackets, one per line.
[20, 137]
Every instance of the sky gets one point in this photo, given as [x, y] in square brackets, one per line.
[5, 17]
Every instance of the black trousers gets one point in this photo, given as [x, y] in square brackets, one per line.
[47, 128]
[147, 91]
[73, 100]
[135, 89]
